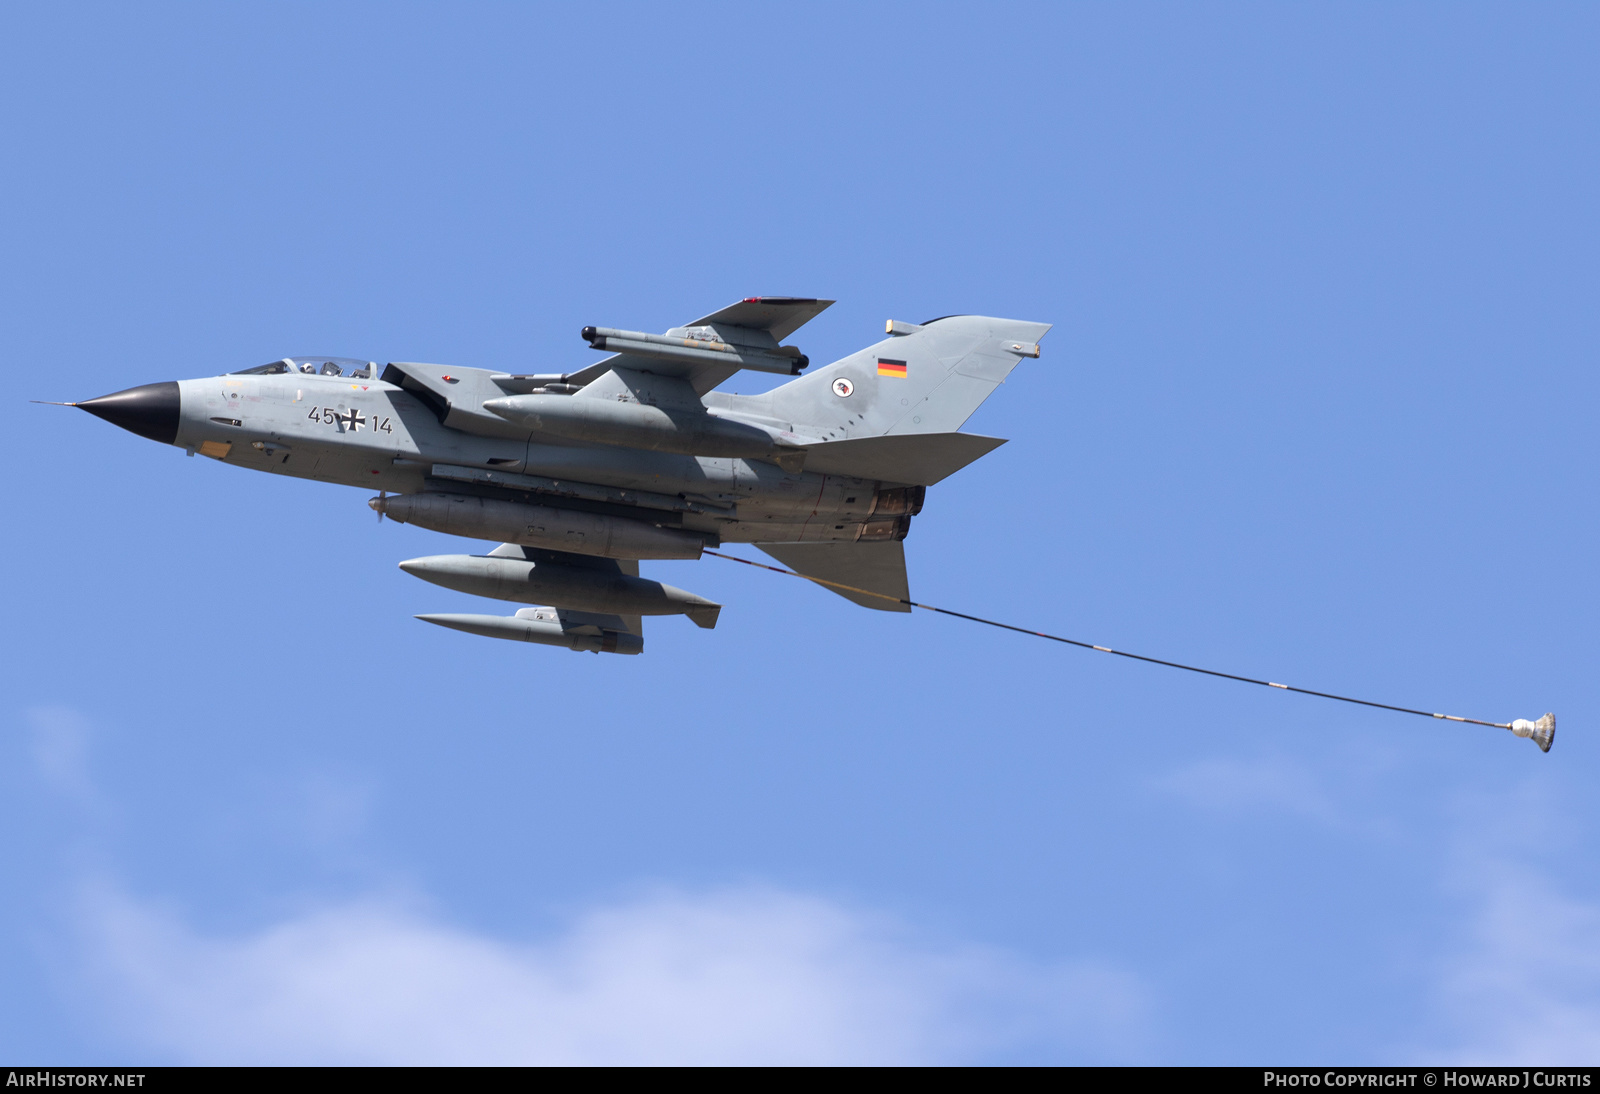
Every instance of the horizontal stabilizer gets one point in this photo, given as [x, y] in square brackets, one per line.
[873, 567]
[911, 459]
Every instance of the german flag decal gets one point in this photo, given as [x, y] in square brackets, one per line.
[887, 367]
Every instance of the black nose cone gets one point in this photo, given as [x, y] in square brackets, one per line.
[150, 411]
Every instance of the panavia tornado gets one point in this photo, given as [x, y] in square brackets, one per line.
[580, 475]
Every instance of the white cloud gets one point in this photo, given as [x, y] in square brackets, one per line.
[1526, 987]
[741, 975]
[1521, 984]
[736, 976]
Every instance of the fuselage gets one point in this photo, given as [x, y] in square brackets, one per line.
[357, 429]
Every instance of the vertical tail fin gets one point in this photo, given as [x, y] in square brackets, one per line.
[926, 378]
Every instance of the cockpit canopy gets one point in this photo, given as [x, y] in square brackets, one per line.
[314, 366]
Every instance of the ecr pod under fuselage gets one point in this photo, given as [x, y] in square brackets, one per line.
[373, 433]
[541, 526]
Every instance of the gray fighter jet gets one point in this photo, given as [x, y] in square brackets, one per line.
[582, 474]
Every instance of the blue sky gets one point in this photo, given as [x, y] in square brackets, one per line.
[1317, 407]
